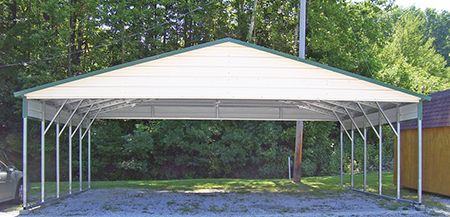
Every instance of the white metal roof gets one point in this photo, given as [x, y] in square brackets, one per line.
[224, 79]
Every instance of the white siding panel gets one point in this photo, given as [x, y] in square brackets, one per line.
[184, 111]
[224, 71]
[210, 113]
[214, 72]
[220, 82]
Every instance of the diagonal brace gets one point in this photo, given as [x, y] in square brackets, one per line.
[343, 126]
[354, 123]
[70, 117]
[55, 116]
[89, 126]
[368, 120]
[387, 119]
[82, 119]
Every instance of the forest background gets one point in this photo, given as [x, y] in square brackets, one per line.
[44, 41]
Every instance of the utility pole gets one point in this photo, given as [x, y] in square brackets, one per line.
[252, 22]
[302, 30]
[299, 124]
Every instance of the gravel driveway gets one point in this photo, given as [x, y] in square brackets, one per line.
[135, 202]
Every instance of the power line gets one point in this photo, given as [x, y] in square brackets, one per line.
[30, 62]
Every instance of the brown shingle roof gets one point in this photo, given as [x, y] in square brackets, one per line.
[436, 113]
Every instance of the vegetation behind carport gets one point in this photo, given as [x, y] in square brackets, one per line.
[404, 47]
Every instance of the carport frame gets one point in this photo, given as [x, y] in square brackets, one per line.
[326, 107]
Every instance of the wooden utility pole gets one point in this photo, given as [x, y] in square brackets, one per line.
[298, 151]
[299, 124]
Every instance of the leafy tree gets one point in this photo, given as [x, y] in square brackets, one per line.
[409, 59]
[346, 35]
[437, 26]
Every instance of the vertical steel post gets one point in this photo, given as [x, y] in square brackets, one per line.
[57, 159]
[80, 155]
[398, 152]
[70, 158]
[24, 159]
[302, 30]
[289, 167]
[89, 158]
[365, 157]
[419, 147]
[341, 141]
[353, 156]
[380, 156]
[43, 154]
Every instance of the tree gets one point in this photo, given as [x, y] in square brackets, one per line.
[437, 27]
[409, 59]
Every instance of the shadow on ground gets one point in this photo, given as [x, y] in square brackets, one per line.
[9, 209]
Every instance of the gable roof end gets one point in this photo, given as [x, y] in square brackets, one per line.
[208, 44]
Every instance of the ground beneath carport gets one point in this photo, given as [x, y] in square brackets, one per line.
[135, 202]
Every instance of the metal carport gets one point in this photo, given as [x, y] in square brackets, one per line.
[225, 79]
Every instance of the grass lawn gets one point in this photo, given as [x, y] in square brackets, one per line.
[315, 186]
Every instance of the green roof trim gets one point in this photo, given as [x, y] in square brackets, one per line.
[220, 41]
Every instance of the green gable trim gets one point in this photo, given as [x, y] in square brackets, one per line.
[272, 51]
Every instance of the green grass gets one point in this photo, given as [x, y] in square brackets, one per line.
[314, 186]
[325, 183]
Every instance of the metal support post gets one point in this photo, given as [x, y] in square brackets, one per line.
[80, 165]
[365, 158]
[351, 137]
[419, 147]
[70, 158]
[398, 153]
[57, 159]
[24, 158]
[380, 155]
[289, 167]
[353, 156]
[341, 141]
[302, 30]
[89, 159]
[43, 154]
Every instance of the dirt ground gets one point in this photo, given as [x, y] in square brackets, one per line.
[135, 202]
